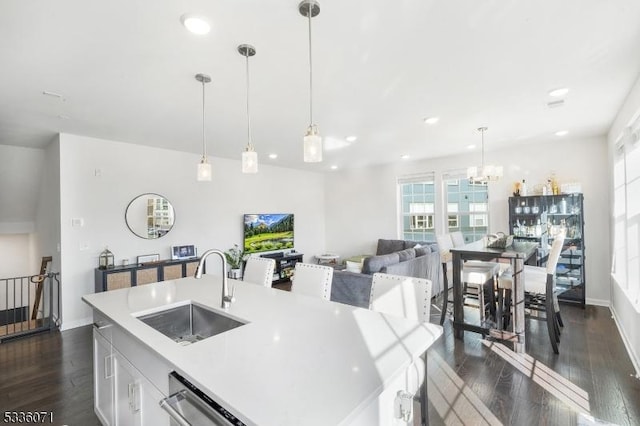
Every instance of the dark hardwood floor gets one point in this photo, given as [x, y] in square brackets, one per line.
[474, 381]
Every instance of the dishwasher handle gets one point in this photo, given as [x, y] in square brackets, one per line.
[166, 406]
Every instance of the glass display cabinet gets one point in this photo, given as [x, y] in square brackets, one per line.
[539, 218]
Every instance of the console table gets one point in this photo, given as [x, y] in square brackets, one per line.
[133, 275]
[285, 265]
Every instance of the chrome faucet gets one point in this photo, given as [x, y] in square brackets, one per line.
[227, 298]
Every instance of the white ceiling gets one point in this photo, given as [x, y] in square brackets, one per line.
[126, 71]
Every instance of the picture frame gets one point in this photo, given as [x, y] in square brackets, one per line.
[187, 251]
[148, 258]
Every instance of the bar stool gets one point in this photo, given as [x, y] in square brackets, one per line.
[259, 270]
[312, 280]
[540, 291]
[476, 275]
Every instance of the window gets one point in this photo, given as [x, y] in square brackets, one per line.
[417, 207]
[626, 213]
[467, 206]
[453, 220]
[480, 217]
[421, 215]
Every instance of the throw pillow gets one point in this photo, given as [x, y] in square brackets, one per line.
[373, 264]
[406, 254]
[421, 251]
[354, 266]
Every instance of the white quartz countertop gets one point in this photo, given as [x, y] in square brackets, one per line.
[298, 360]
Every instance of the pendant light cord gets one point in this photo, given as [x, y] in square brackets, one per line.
[249, 142]
[310, 70]
[204, 145]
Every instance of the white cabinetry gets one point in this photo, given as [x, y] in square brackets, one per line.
[103, 379]
[136, 399]
[123, 396]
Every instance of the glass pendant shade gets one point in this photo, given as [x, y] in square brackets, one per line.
[249, 160]
[249, 155]
[204, 170]
[312, 146]
[312, 139]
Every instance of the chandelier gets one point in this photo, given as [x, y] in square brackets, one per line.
[484, 173]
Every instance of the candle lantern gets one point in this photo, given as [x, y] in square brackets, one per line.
[106, 259]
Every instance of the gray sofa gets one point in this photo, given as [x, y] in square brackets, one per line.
[396, 257]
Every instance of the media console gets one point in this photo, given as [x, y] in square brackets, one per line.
[285, 265]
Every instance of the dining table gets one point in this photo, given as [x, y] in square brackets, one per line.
[517, 254]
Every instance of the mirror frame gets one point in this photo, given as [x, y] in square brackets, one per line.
[144, 197]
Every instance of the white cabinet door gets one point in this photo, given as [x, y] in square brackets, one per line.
[137, 400]
[126, 402]
[103, 379]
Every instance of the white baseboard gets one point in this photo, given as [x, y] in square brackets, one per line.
[635, 359]
[598, 302]
[75, 324]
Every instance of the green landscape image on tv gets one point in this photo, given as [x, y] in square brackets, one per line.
[267, 232]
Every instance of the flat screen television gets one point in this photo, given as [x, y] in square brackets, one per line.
[268, 232]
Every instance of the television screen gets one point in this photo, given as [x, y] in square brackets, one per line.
[267, 232]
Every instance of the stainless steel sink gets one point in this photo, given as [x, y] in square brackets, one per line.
[189, 323]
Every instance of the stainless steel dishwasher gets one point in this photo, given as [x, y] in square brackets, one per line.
[188, 405]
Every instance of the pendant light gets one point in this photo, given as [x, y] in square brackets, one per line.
[484, 173]
[204, 168]
[312, 139]
[249, 155]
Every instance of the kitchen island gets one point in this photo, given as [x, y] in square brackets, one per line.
[296, 360]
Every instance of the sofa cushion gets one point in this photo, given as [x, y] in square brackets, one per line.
[406, 254]
[373, 264]
[389, 246]
[422, 250]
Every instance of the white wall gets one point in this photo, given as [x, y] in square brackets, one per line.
[21, 171]
[626, 315]
[15, 252]
[48, 207]
[361, 205]
[98, 178]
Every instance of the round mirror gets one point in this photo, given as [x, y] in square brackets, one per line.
[150, 216]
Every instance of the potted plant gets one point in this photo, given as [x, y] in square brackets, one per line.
[234, 257]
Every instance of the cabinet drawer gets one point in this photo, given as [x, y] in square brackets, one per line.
[151, 365]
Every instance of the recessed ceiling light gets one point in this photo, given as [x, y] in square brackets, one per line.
[196, 24]
[273, 156]
[351, 138]
[52, 94]
[562, 133]
[556, 104]
[431, 120]
[405, 156]
[471, 146]
[561, 91]
[334, 167]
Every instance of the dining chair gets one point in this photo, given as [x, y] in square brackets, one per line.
[478, 276]
[312, 280]
[457, 238]
[407, 297]
[540, 290]
[259, 270]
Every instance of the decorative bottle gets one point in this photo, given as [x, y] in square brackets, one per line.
[563, 206]
[523, 189]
